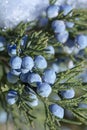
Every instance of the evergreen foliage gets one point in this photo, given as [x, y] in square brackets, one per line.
[38, 38]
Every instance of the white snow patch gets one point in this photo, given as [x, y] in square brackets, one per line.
[13, 12]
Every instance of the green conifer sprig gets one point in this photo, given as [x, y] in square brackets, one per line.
[38, 39]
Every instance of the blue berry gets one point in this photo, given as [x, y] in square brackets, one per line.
[43, 21]
[70, 43]
[34, 78]
[69, 24]
[55, 67]
[56, 110]
[58, 26]
[81, 41]
[50, 50]
[52, 11]
[27, 63]
[12, 50]
[32, 97]
[40, 62]
[70, 47]
[24, 40]
[11, 97]
[62, 37]
[15, 62]
[34, 102]
[16, 72]
[68, 50]
[24, 77]
[82, 105]
[44, 89]
[49, 76]
[2, 43]
[67, 94]
[12, 78]
[66, 9]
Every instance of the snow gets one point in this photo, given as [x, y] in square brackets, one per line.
[13, 12]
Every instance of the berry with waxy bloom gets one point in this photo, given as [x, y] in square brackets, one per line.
[49, 76]
[12, 97]
[15, 62]
[40, 62]
[56, 110]
[58, 26]
[44, 89]
[52, 11]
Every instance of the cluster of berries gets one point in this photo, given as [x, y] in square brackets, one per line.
[23, 69]
[42, 90]
[60, 27]
[26, 68]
